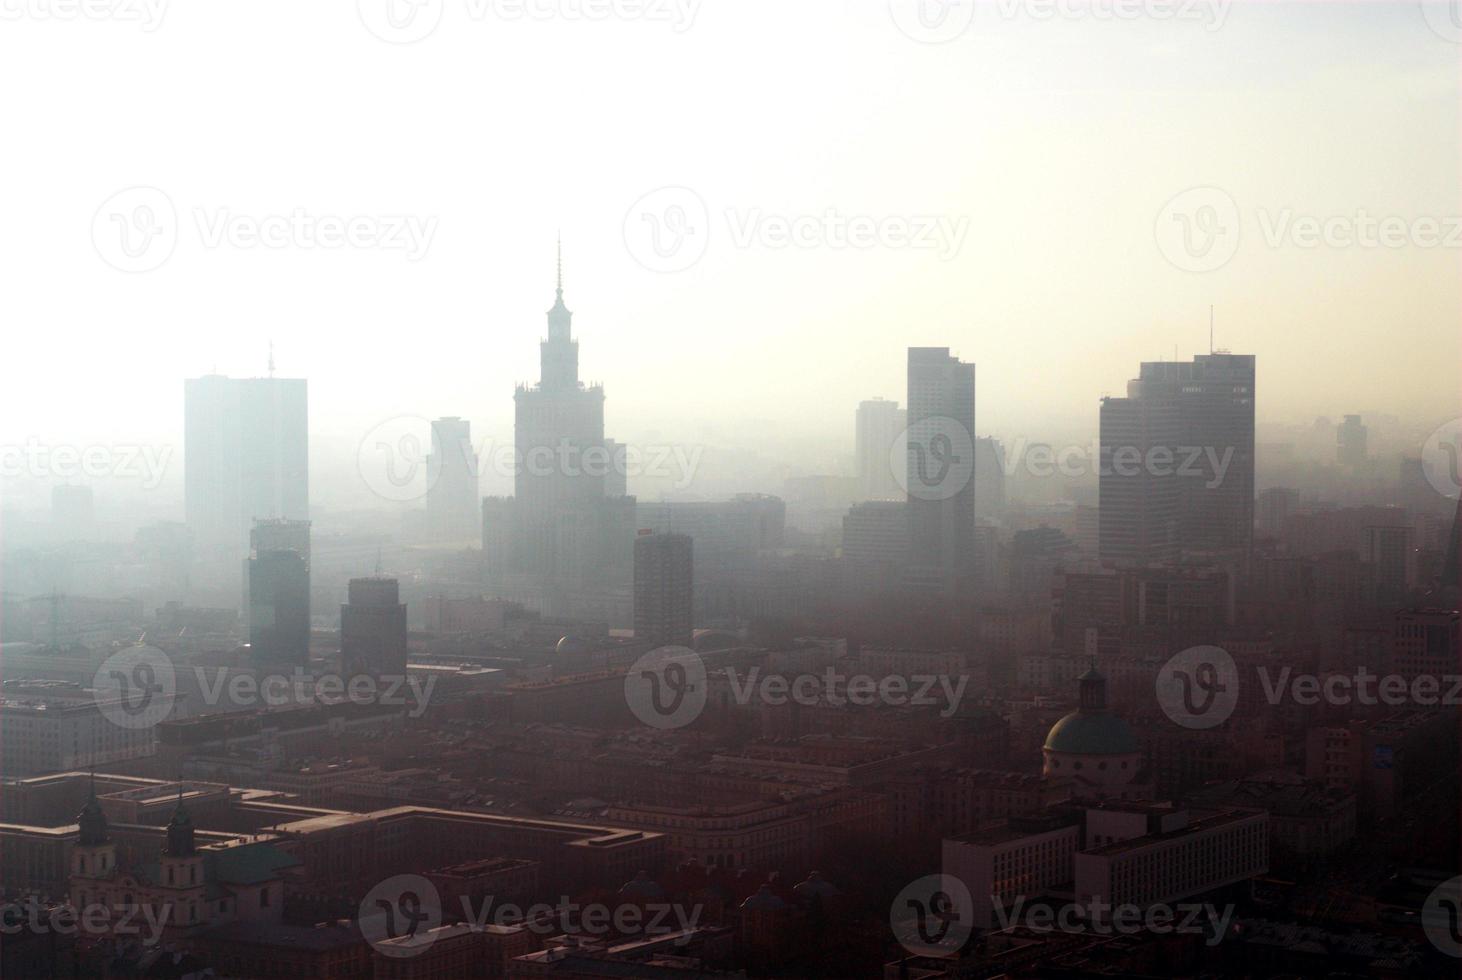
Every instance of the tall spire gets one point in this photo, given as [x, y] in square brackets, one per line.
[560, 266]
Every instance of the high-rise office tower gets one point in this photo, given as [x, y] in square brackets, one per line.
[1138, 503]
[989, 477]
[279, 609]
[245, 456]
[939, 474]
[877, 427]
[1197, 419]
[278, 534]
[1350, 442]
[565, 536]
[664, 592]
[373, 629]
[453, 506]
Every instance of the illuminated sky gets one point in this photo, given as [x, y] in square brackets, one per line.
[1055, 142]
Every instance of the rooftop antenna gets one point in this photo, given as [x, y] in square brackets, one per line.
[271, 358]
[378, 561]
[1210, 328]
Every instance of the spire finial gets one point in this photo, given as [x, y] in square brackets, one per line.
[560, 264]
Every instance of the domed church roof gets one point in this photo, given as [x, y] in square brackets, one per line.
[1091, 729]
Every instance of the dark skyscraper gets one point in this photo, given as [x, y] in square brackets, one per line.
[664, 592]
[1138, 505]
[939, 477]
[279, 609]
[1185, 431]
[453, 506]
[373, 629]
[245, 456]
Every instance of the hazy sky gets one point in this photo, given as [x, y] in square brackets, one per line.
[1046, 140]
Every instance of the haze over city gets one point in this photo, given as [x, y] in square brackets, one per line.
[682, 489]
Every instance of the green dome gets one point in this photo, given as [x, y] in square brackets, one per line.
[1091, 733]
